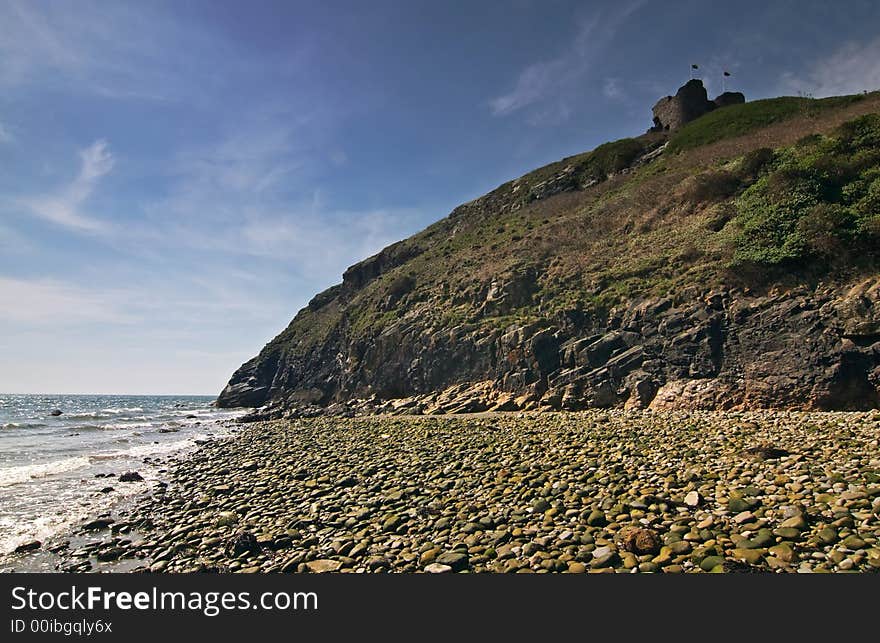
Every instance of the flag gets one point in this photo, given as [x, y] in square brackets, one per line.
[695, 66]
[727, 73]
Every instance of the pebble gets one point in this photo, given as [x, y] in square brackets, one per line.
[513, 493]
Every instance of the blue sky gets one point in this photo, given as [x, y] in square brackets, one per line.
[178, 179]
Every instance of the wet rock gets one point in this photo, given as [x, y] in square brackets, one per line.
[31, 545]
[110, 554]
[131, 476]
[98, 524]
[766, 451]
[243, 541]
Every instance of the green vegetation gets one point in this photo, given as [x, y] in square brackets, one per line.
[596, 164]
[765, 211]
[736, 120]
[820, 199]
[613, 157]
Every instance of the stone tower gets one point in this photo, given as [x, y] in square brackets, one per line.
[690, 102]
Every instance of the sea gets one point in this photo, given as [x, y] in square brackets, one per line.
[57, 470]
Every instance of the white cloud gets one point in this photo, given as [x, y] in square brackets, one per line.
[63, 207]
[30, 42]
[323, 242]
[851, 69]
[56, 303]
[548, 81]
[5, 136]
[185, 335]
[254, 193]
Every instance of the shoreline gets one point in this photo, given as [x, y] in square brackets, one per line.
[594, 491]
[64, 549]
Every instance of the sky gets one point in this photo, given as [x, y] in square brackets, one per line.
[178, 179]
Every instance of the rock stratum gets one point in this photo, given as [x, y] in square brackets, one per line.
[728, 262]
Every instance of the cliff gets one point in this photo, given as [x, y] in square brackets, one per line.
[728, 262]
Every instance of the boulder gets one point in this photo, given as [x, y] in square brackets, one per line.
[640, 541]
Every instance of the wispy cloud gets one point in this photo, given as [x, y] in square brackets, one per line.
[612, 89]
[545, 84]
[5, 136]
[852, 68]
[323, 241]
[63, 207]
[258, 191]
[187, 304]
[114, 50]
[13, 242]
[56, 303]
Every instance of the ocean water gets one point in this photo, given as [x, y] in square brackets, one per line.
[53, 468]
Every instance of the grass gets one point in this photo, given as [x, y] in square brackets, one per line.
[693, 220]
[736, 120]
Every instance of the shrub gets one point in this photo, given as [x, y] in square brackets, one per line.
[719, 215]
[755, 161]
[825, 229]
[711, 186]
[819, 199]
[871, 229]
[400, 286]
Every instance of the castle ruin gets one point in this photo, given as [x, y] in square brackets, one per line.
[690, 102]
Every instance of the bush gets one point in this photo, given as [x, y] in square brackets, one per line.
[711, 186]
[754, 162]
[612, 157]
[818, 199]
[871, 229]
[400, 286]
[825, 229]
[719, 215]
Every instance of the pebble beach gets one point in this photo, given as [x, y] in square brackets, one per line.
[587, 492]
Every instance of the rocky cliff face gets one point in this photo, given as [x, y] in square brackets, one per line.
[802, 348]
[622, 277]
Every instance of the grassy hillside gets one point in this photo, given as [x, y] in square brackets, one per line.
[777, 191]
[737, 120]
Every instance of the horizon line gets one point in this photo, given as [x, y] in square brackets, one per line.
[117, 394]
